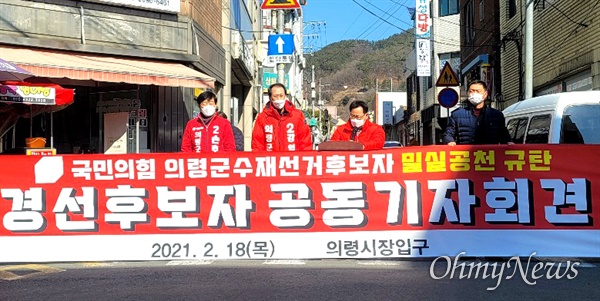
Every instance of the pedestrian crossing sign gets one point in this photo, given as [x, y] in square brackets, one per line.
[280, 4]
[447, 77]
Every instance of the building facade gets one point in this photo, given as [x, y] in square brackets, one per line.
[135, 67]
[566, 48]
[481, 44]
[426, 119]
[242, 22]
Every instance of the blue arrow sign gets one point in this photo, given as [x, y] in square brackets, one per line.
[281, 44]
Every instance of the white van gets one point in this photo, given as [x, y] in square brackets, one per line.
[569, 117]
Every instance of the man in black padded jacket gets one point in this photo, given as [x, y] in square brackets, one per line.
[476, 123]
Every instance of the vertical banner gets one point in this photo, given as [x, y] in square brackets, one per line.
[422, 20]
[423, 33]
[423, 57]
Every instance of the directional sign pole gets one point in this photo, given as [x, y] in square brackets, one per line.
[280, 66]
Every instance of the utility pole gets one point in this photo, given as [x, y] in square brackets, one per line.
[529, 48]
[320, 103]
[320, 88]
[280, 66]
[312, 89]
[312, 96]
[312, 35]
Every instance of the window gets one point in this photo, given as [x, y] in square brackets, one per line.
[469, 26]
[481, 11]
[453, 58]
[580, 125]
[539, 129]
[516, 129]
[512, 8]
[448, 7]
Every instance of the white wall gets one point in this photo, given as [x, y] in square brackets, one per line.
[398, 99]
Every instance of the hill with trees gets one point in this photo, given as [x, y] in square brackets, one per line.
[352, 69]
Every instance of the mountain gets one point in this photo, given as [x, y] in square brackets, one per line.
[349, 69]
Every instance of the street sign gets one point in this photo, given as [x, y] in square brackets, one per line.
[280, 4]
[279, 59]
[447, 77]
[270, 78]
[281, 44]
[448, 98]
[388, 114]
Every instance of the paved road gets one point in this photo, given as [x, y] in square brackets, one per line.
[284, 280]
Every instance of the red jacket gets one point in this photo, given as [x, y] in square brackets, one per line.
[372, 135]
[217, 136]
[274, 132]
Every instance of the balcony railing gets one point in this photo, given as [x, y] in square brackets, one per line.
[241, 51]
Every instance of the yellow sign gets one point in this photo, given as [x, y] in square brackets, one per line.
[447, 78]
[280, 4]
[41, 151]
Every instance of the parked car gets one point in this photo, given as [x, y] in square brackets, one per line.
[392, 144]
[569, 118]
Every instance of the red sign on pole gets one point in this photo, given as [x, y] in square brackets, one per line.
[280, 4]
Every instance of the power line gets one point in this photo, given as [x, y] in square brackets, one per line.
[432, 40]
[568, 18]
[578, 24]
[358, 17]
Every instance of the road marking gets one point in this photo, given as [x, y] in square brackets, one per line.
[190, 262]
[12, 272]
[97, 264]
[4, 275]
[283, 262]
[379, 262]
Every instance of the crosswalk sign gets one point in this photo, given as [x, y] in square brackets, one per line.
[280, 4]
[447, 77]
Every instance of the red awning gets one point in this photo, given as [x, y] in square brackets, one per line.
[83, 66]
[36, 93]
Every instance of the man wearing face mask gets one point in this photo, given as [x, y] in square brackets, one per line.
[360, 128]
[477, 123]
[280, 126]
[209, 132]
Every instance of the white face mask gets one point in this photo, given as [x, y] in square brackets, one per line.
[278, 104]
[208, 110]
[476, 98]
[357, 122]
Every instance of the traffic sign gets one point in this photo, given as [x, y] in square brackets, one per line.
[447, 77]
[280, 59]
[448, 98]
[280, 4]
[281, 44]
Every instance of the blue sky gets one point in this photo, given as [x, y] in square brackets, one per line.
[347, 20]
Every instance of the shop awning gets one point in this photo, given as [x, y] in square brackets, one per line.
[84, 66]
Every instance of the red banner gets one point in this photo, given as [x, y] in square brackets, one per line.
[539, 187]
